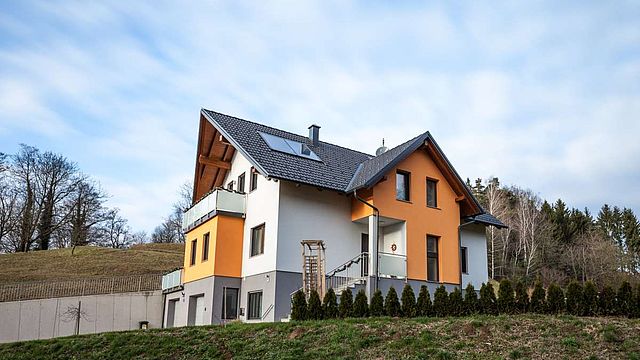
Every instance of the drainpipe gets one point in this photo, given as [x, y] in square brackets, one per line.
[164, 304]
[460, 247]
[377, 239]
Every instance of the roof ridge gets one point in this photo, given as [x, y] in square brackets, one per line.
[285, 131]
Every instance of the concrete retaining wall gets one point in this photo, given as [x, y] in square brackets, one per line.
[55, 317]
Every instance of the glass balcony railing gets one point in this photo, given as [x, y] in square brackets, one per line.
[172, 279]
[218, 200]
[392, 265]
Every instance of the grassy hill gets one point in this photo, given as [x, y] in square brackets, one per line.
[480, 337]
[88, 261]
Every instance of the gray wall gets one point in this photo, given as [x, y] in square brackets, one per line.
[49, 318]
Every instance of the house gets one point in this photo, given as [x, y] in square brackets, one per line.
[275, 212]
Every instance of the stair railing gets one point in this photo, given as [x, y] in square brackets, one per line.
[353, 270]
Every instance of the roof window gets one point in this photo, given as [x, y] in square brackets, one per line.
[289, 146]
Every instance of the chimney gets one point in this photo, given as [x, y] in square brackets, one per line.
[314, 134]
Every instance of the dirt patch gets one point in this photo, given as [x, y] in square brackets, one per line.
[296, 333]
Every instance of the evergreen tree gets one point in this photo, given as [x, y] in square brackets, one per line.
[314, 308]
[456, 304]
[624, 300]
[506, 300]
[440, 302]
[360, 306]
[488, 302]
[470, 300]
[299, 306]
[346, 304]
[555, 299]
[408, 301]
[391, 303]
[423, 305]
[522, 298]
[538, 302]
[377, 304]
[330, 305]
[607, 301]
[636, 303]
[589, 299]
[575, 300]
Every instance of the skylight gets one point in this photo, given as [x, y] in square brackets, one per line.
[289, 146]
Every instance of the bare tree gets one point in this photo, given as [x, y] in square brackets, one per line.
[170, 231]
[114, 231]
[496, 203]
[530, 227]
[23, 169]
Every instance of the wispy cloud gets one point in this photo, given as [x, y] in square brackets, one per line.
[543, 95]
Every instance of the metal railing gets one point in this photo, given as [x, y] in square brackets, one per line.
[352, 272]
[80, 287]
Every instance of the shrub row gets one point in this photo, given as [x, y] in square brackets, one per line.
[511, 299]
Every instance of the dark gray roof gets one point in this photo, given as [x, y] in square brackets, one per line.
[341, 169]
[488, 219]
[334, 172]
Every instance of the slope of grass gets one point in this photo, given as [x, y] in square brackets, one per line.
[479, 337]
[88, 261]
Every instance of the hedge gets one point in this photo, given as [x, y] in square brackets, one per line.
[360, 305]
[391, 303]
[345, 308]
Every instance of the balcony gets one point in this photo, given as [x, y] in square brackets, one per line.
[219, 200]
[392, 265]
[171, 281]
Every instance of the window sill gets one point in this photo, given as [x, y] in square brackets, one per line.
[405, 201]
[433, 207]
[256, 255]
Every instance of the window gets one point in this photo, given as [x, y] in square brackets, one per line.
[254, 305]
[432, 193]
[194, 246]
[402, 185]
[205, 247]
[432, 258]
[253, 182]
[289, 146]
[230, 185]
[230, 304]
[463, 260]
[241, 183]
[257, 240]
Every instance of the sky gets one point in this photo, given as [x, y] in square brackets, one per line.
[543, 95]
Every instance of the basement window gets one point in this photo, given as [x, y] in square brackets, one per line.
[288, 146]
[254, 305]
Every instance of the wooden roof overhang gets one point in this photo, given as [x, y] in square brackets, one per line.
[213, 159]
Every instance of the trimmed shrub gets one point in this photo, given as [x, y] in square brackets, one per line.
[506, 300]
[408, 301]
[345, 308]
[314, 308]
[391, 303]
[555, 299]
[299, 306]
[488, 302]
[624, 299]
[440, 302]
[538, 302]
[377, 304]
[636, 307]
[360, 305]
[522, 298]
[574, 298]
[470, 300]
[606, 301]
[589, 299]
[423, 305]
[456, 304]
[330, 305]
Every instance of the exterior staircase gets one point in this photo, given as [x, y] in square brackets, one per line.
[350, 274]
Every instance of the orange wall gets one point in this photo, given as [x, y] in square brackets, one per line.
[420, 219]
[225, 249]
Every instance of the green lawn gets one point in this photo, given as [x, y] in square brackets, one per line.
[479, 337]
[89, 261]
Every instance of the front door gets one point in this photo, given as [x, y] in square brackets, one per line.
[199, 310]
[171, 312]
[364, 249]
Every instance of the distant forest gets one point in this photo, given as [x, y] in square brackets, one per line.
[47, 202]
[556, 243]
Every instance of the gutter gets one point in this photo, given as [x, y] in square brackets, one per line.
[377, 239]
[460, 247]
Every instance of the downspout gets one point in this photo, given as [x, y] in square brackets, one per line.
[377, 214]
[164, 304]
[460, 247]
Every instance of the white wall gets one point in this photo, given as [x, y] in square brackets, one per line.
[262, 208]
[307, 213]
[473, 237]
